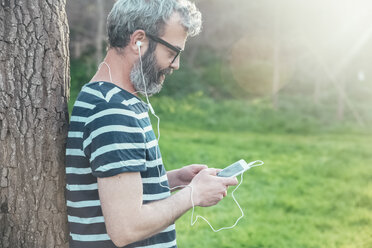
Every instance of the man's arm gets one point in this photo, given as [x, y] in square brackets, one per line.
[128, 220]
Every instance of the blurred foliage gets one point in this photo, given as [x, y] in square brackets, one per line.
[205, 90]
[296, 115]
[82, 70]
[208, 72]
[81, 73]
[323, 62]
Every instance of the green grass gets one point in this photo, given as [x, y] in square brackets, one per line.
[312, 191]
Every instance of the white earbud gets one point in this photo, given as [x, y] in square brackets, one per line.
[138, 43]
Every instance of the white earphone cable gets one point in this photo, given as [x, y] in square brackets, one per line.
[192, 221]
[109, 69]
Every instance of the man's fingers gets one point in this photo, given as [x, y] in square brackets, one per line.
[211, 171]
[198, 167]
[229, 181]
[204, 166]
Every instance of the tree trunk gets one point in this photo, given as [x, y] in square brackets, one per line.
[276, 75]
[100, 31]
[276, 59]
[34, 90]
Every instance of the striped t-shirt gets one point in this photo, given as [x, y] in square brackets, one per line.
[110, 133]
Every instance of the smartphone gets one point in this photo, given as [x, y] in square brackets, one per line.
[235, 169]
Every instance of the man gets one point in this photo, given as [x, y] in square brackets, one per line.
[117, 186]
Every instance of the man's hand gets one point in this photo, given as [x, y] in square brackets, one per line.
[209, 189]
[187, 173]
[128, 220]
[183, 176]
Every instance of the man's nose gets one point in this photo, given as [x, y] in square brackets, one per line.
[176, 64]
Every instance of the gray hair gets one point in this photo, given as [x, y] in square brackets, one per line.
[128, 16]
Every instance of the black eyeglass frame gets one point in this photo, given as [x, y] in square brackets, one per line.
[170, 46]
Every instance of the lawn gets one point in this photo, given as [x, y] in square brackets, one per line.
[312, 191]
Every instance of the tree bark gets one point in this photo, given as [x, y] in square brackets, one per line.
[100, 30]
[34, 90]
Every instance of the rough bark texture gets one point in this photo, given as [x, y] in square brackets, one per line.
[34, 86]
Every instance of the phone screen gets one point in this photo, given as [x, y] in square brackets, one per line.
[232, 170]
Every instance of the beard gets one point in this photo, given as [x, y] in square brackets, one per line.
[151, 72]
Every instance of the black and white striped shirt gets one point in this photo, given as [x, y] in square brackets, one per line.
[110, 133]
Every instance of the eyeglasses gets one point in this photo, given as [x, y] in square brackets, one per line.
[170, 46]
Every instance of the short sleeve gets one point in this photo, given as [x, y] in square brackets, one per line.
[114, 141]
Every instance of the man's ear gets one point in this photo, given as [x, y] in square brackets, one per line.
[138, 41]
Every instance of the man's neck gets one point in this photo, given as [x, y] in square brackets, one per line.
[120, 67]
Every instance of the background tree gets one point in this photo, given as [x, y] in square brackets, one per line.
[87, 25]
[34, 90]
[286, 52]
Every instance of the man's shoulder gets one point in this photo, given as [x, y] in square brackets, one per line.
[98, 96]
